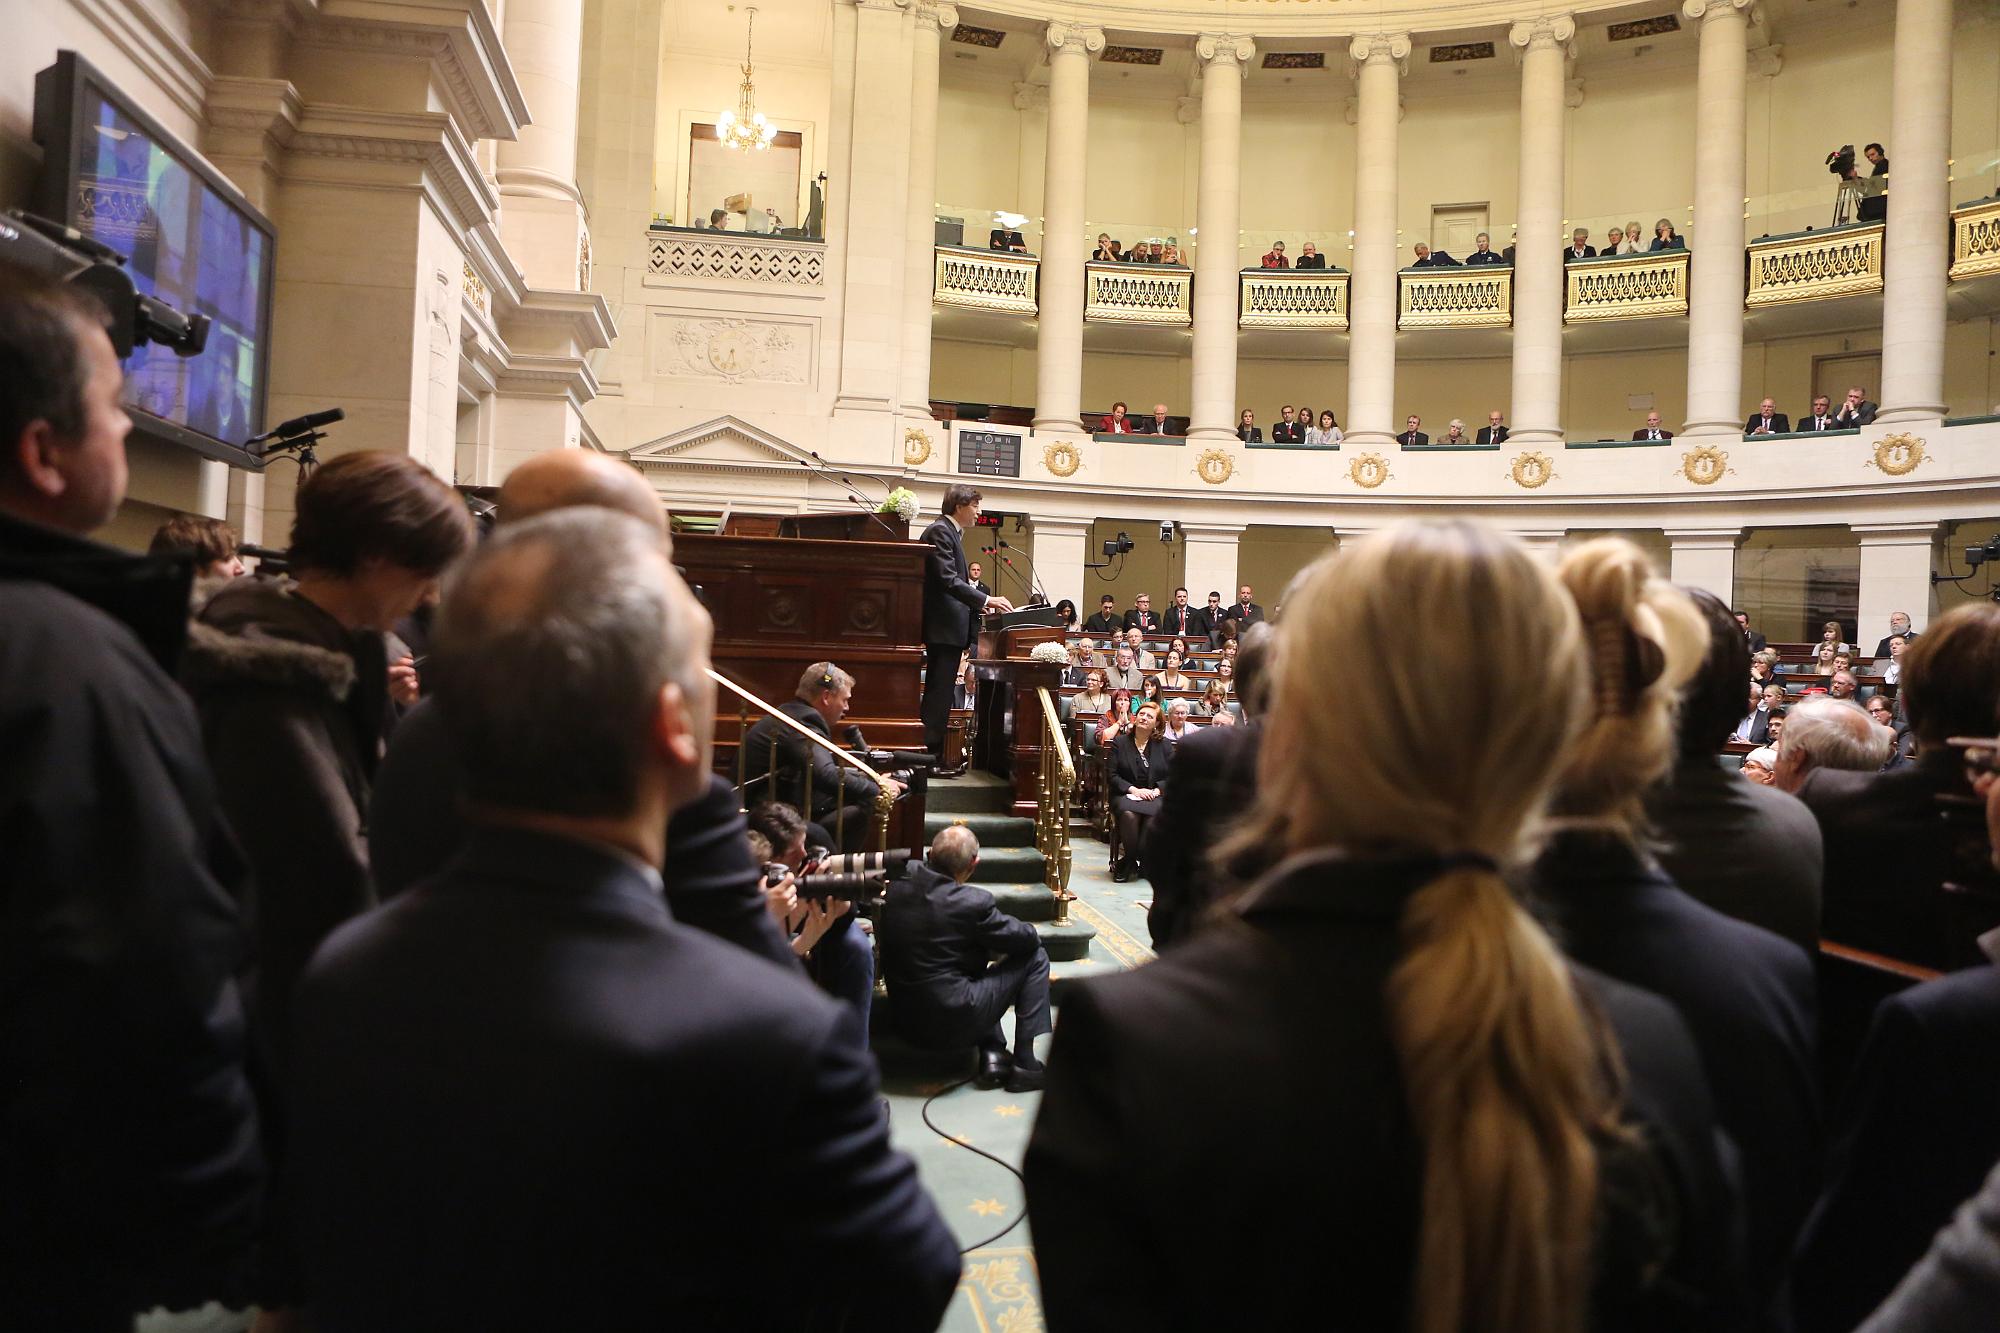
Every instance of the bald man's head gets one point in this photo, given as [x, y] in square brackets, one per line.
[562, 478]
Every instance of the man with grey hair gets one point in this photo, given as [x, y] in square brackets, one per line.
[1841, 684]
[842, 797]
[530, 1035]
[1124, 673]
[1135, 639]
[1827, 732]
[938, 935]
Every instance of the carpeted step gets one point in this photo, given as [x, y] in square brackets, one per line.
[991, 830]
[1023, 902]
[1010, 865]
[1067, 942]
[972, 794]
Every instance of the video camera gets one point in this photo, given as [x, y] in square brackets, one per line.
[67, 255]
[861, 878]
[1841, 161]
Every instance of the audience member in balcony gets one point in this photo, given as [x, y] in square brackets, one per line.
[1664, 237]
[1158, 423]
[1247, 429]
[1855, 411]
[1821, 417]
[1124, 672]
[1483, 252]
[1107, 249]
[1116, 720]
[1899, 626]
[1873, 152]
[1066, 609]
[1579, 246]
[1005, 237]
[1142, 616]
[1653, 430]
[1135, 640]
[1305, 420]
[1107, 620]
[1171, 255]
[1494, 431]
[1171, 676]
[1116, 422]
[1454, 433]
[1244, 612]
[1612, 240]
[1214, 699]
[1310, 257]
[1275, 256]
[1828, 734]
[1181, 620]
[1634, 242]
[1140, 761]
[1327, 432]
[1429, 258]
[1290, 430]
[1212, 618]
[1508, 253]
[1411, 437]
[718, 219]
[1767, 420]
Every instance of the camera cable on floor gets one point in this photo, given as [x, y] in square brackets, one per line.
[1009, 1167]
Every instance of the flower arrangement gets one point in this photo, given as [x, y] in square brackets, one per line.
[901, 502]
[1051, 652]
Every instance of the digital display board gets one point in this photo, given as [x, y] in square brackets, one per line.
[989, 453]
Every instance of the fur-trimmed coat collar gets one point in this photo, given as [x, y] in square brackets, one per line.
[261, 632]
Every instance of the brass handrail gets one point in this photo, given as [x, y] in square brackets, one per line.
[884, 802]
[1055, 787]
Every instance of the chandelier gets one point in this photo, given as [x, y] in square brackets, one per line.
[745, 127]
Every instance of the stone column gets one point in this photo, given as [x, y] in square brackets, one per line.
[931, 19]
[1061, 548]
[1223, 60]
[1371, 348]
[1715, 282]
[1209, 551]
[1705, 558]
[1917, 247]
[542, 219]
[1538, 270]
[1895, 576]
[1059, 331]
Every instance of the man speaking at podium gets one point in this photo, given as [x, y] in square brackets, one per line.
[951, 603]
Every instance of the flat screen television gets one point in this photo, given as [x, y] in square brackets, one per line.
[190, 238]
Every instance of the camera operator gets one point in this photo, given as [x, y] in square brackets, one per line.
[828, 934]
[938, 939]
[843, 798]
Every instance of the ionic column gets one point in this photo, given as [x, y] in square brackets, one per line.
[1209, 550]
[1916, 250]
[1538, 269]
[1715, 283]
[1704, 558]
[1371, 347]
[1223, 57]
[542, 218]
[1059, 331]
[931, 19]
[1061, 549]
[1895, 573]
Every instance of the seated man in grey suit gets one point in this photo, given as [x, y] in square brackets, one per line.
[1855, 411]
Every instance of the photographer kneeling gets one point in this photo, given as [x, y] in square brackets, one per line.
[938, 937]
[826, 934]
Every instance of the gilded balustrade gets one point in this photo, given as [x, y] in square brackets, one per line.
[1138, 294]
[1975, 238]
[1629, 287]
[1276, 298]
[1455, 298]
[1815, 265]
[985, 280]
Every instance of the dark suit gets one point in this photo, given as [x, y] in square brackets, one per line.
[1146, 622]
[1252, 614]
[1749, 998]
[1573, 254]
[951, 622]
[1648, 433]
[1000, 238]
[1816, 423]
[1156, 425]
[1861, 416]
[1130, 768]
[1780, 424]
[1288, 432]
[1250, 434]
[1488, 436]
[984, 591]
[1882, 648]
[1436, 259]
[1508, 254]
[504, 1136]
[1211, 621]
[1183, 622]
[1747, 850]
[1759, 729]
[834, 784]
[1411, 439]
[1918, 1129]
[1311, 261]
[1214, 780]
[938, 938]
[1104, 622]
[1478, 257]
[1665, 243]
[1277, 1025]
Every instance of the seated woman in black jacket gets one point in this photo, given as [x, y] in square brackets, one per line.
[1490, 1140]
[1139, 761]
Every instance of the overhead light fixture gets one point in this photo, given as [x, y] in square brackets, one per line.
[746, 127]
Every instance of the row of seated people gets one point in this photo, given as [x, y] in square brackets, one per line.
[1180, 620]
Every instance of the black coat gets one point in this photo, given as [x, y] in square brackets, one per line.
[1918, 1129]
[1268, 1037]
[592, 1117]
[1146, 622]
[1749, 998]
[416, 825]
[1882, 648]
[1252, 614]
[951, 604]
[1311, 261]
[1250, 434]
[1780, 423]
[1182, 622]
[1213, 781]
[1665, 434]
[1478, 257]
[834, 784]
[1487, 435]
[1131, 769]
[1570, 255]
[1104, 622]
[1211, 621]
[1413, 439]
[130, 1168]
[1747, 850]
[936, 935]
[1288, 432]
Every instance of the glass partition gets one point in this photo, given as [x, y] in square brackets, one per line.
[1140, 241]
[1816, 207]
[985, 227]
[1975, 175]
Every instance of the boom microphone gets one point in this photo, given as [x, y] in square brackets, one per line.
[300, 425]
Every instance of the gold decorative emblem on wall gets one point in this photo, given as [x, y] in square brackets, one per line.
[1369, 470]
[1215, 466]
[1898, 455]
[1705, 466]
[1533, 470]
[1061, 459]
[916, 447]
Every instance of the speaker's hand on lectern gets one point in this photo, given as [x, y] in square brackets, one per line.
[998, 604]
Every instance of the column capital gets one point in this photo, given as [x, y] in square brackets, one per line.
[942, 17]
[1704, 538]
[1205, 531]
[1078, 37]
[1216, 48]
[1381, 48]
[1544, 32]
[1894, 534]
[1715, 9]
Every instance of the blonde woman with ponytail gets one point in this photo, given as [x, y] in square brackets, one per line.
[1747, 995]
[1377, 1098]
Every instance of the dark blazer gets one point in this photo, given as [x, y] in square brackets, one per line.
[1275, 1022]
[1145, 621]
[936, 935]
[1211, 622]
[1250, 615]
[1862, 416]
[1755, 640]
[1478, 257]
[1780, 423]
[1411, 439]
[1214, 780]
[1131, 769]
[1808, 422]
[1882, 648]
[1487, 436]
[1508, 254]
[1288, 432]
[951, 604]
[1250, 434]
[1645, 432]
[497, 1137]
[1760, 726]
[984, 591]
[1102, 622]
[834, 784]
[1918, 1128]
[1749, 998]
[1001, 238]
[1676, 242]
[1182, 621]
[1074, 674]
[1311, 261]
[1436, 259]
[1749, 851]
[1570, 254]
[1155, 426]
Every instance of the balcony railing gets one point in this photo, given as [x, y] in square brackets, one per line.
[1455, 298]
[1137, 294]
[1975, 239]
[735, 256]
[1276, 298]
[1629, 287]
[1815, 265]
[985, 279]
